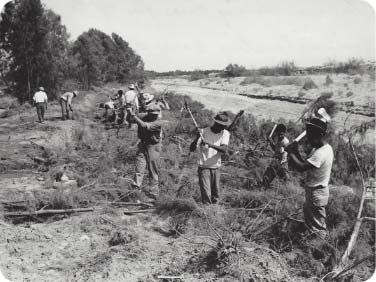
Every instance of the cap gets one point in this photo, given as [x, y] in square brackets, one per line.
[41, 88]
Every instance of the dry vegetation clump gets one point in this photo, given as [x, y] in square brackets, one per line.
[357, 80]
[269, 81]
[121, 237]
[328, 80]
[309, 84]
[349, 94]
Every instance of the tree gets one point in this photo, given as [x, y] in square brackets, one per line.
[101, 58]
[233, 70]
[36, 41]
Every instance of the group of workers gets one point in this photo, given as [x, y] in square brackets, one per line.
[143, 110]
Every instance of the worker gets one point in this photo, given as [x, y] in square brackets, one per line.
[149, 148]
[66, 104]
[131, 102]
[278, 166]
[318, 166]
[40, 102]
[212, 142]
[148, 99]
[109, 108]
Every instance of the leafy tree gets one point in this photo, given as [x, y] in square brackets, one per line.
[101, 58]
[36, 41]
[234, 70]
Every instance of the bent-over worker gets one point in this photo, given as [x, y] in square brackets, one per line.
[66, 104]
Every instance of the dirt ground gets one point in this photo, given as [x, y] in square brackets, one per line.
[78, 247]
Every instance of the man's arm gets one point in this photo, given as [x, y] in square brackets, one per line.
[300, 164]
[222, 149]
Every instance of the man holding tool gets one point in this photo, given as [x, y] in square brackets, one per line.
[149, 147]
[212, 142]
[318, 166]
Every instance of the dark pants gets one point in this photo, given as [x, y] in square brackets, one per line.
[274, 169]
[66, 113]
[108, 112]
[128, 117]
[314, 209]
[41, 109]
[208, 179]
[148, 157]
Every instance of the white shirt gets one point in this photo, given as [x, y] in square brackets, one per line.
[110, 105]
[280, 152]
[322, 160]
[209, 157]
[40, 97]
[67, 96]
[131, 97]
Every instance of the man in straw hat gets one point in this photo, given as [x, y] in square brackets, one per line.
[212, 142]
[40, 102]
[66, 104]
[149, 148]
[148, 99]
[318, 166]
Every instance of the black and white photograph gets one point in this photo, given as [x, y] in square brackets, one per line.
[187, 141]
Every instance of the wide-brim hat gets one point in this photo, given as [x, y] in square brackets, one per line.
[147, 97]
[222, 118]
[41, 88]
[131, 86]
[153, 109]
[318, 124]
[75, 92]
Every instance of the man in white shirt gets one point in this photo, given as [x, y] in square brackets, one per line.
[66, 104]
[278, 166]
[131, 102]
[213, 142]
[40, 102]
[318, 166]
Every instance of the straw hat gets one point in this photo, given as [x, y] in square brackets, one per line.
[222, 118]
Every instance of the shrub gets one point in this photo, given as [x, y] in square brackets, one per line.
[196, 75]
[349, 94]
[301, 93]
[357, 80]
[328, 80]
[309, 84]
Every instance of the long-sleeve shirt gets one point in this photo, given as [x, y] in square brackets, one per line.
[40, 97]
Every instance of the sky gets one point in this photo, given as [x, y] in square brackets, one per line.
[210, 34]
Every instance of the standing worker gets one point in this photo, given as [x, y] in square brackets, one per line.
[149, 147]
[40, 101]
[66, 104]
[213, 142]
[318, 166]
[131, 102]
[278, 166]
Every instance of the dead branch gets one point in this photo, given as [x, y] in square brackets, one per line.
[87, 185]
[354, 234]
[41, 212]
[138, 211]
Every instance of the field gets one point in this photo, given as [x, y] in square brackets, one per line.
[279, 97]
[252, 235]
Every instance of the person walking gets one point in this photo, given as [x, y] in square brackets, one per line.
[40, 101]
[318, 166]
[66, 104]
[278, 166]
[149, 148]
[212, 142]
